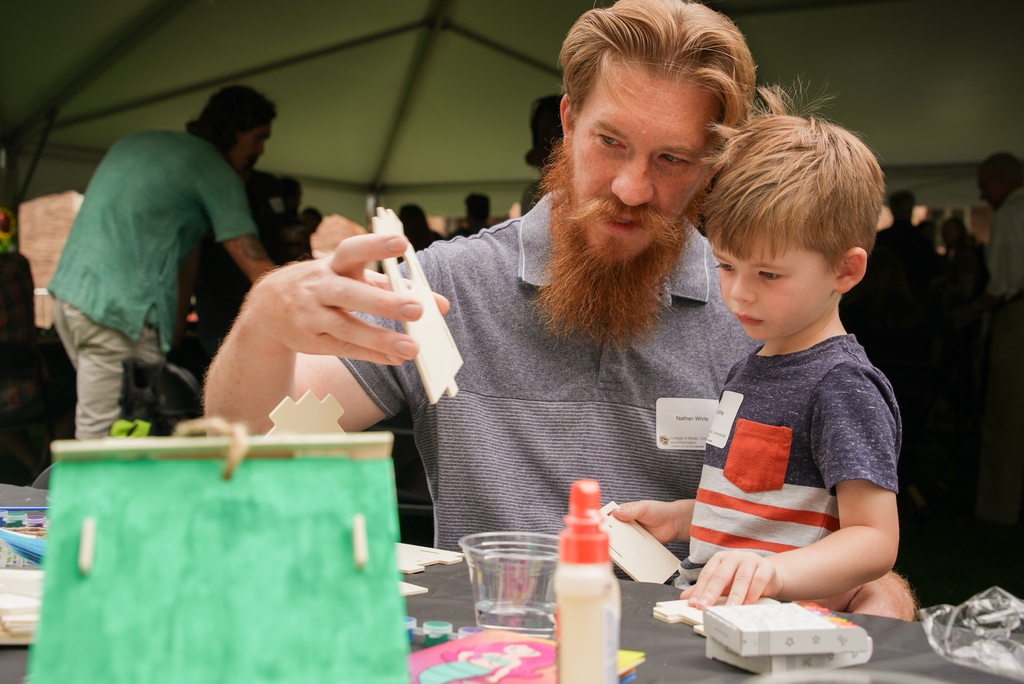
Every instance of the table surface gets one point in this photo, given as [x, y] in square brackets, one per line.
[674, 652]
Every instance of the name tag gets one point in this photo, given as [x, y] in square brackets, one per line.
[725, 416]
[683, 424]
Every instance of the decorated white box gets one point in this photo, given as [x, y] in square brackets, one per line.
[783, 629]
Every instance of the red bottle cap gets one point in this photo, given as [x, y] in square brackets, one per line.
[584, 540]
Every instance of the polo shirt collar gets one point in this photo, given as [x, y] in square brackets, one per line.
[691, 277]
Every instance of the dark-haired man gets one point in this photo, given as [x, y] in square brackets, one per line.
[150, 201]
[593, 331]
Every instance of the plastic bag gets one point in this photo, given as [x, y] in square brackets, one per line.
[986, 632]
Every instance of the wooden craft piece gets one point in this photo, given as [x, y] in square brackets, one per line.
[633, 549]
[21, 593]
[681, 611]
[307, 416]
[412, 558]
[678, 611]
[439, 359]
[406, 589]
[199, 579]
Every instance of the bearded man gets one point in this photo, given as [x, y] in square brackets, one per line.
[593, 332]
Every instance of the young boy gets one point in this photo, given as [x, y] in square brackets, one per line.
[797, 495]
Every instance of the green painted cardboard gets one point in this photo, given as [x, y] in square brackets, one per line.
[201, 579]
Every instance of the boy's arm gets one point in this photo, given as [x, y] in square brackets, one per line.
[863, 550]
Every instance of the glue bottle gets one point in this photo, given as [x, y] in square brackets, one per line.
[587, 594]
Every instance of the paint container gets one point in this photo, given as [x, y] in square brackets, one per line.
[436, 632]
[16, 519]
[410, 627]
[3, 518]
[35, 521]
[469, 631]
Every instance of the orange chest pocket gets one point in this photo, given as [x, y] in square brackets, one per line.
[758, 456]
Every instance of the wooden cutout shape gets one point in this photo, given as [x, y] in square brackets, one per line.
[307, 416]
[633, 549]
[21, 593]
[682, 611]
[678, 611]
[439, 359]
[406, 589]
[412, 558]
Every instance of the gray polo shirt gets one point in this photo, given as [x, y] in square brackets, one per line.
[534, 412]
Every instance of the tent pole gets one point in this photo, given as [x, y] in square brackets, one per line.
[437, 22]
[50, 118]
[224, 79]
[120, 44]
[505, 50]
[9, 174]
[372, 202]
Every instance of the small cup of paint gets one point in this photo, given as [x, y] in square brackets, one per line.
[410, 627]
[16, 519]
[436, 632]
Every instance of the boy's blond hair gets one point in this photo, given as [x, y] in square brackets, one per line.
[792, 182]
[684, 42]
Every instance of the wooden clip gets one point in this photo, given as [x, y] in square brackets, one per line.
[87, 546]
[360, 546]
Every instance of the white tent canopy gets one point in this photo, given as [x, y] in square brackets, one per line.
[428, 100]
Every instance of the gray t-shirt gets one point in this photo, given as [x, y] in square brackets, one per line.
[535, 412]
[790, 428]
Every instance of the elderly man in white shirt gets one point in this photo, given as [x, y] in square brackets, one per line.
[1001, 472]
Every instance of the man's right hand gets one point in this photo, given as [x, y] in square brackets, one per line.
[666, 521]
[294, 324]
[308, 307]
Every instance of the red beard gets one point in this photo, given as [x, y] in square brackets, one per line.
[592, 291]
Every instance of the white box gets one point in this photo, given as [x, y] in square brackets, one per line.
[783, 629]
[787, 663]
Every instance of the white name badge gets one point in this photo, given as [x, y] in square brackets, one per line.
[725, 416]
[683, 424]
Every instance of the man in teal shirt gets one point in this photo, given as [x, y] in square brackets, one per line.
[129, 264]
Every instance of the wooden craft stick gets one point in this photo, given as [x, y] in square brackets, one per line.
[439, 359]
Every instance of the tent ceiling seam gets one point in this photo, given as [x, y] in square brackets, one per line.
[505, 50]
[234, 76]
[784, 6]
[131, 34]
[437, 17]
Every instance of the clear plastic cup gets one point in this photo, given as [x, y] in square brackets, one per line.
[512, 577]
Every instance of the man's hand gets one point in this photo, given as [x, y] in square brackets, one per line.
[666, 521]
[889, 596]
[308, 307]
[742, 575]
[296, 319]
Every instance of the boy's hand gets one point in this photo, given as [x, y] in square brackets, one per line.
[666, 521]
[744, 575]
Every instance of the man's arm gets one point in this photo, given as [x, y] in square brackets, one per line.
[296, 320]
[187, 275]
[889, 596]
[248, 253]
